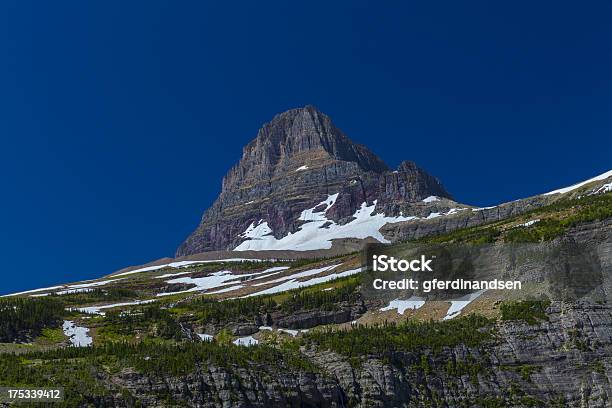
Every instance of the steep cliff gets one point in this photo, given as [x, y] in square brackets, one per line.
[296, 161]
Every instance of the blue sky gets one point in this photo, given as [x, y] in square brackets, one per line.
[119, 119]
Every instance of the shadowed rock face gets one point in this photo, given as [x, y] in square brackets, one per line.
[295, 162]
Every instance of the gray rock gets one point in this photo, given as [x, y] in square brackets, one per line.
[267, 185]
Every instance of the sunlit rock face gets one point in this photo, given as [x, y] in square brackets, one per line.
[296, 161]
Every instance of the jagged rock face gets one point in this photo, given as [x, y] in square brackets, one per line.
[295, 162]
[561, 362]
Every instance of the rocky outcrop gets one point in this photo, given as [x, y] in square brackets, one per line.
[343, 313]
[219, 387]
[295, 162]
[469, 217]
[564, 361]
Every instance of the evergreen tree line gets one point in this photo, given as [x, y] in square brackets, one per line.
[209, 310]
[388, 338]
[26, 317]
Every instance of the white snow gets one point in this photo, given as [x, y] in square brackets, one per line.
[431, 199]
[216, 280]
[71, 291]
[78, 336]
[97, 309]
[93, 284]
[294, 283]
[288, 331]
[302, 274]
[228, 289]
[578, 185]
[180, 264]
[528, 223]
[449, 212]
[312, 235]
[412, 303]
[292, 332]
[458, 305]
[211, 281]
[256, 231]
[205, 337]
[34, 291]
[302, 168]
[169, 275]
[246, 341]
[483, 208]
[603, 189]
[66, 289]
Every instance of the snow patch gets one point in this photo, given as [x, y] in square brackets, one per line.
[98, 309]
[216, 280]
[302, 168]
[449, 212]
[34, 291]
[578, 185]
[78, 336]
[302, 274]
[229, 289]
[312, 236]
[70, 291]
[528, 223]
[603, 189]
[180, 264]
[205, 337]
[412, 303]
[458, 305]
[246, 341]
[431, 199]
[294, 283]
[483, 208]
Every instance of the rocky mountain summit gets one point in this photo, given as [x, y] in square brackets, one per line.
[297, 161]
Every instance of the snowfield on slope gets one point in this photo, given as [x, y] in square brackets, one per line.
[217, 280]
[312, 235]
[180, 264]
[412, 303]
[294, 283]
[79, 336]
[578, 185]
[458, 305]
[98, 309]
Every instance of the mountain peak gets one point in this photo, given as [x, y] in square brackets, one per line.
[297, 137]
[297, 161]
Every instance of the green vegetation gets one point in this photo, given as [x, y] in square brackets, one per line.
[384, 340]
[556, 219]
[525, 370]
[472, 235]
[96, 296]
[568, 213]
[151, 320]
[531, 311]
[23, 317]
[210, 310]
[81, 370]
[322, 299]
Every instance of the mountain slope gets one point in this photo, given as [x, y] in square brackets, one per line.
[244, 328]
[296, 162]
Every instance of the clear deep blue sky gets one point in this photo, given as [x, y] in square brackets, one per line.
[118, 119]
